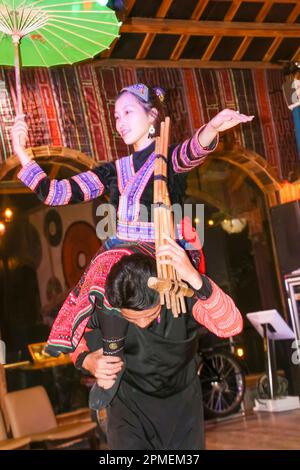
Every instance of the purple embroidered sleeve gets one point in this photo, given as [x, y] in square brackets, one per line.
[60, 192]
[89, 184]
[190, 153]
[31, 174]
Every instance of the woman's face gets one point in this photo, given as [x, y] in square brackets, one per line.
[132, 121]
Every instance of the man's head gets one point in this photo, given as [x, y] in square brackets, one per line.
[127, 288]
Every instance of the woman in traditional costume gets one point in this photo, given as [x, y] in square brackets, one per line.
[129, 183]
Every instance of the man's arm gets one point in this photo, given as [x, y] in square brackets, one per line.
[89, 358]
[213, 308]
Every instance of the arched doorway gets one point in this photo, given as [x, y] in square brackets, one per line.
[34, 239]
[238, 185]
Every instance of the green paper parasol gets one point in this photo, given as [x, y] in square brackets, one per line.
[44, 33]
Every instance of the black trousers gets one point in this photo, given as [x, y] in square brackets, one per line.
[137, 421]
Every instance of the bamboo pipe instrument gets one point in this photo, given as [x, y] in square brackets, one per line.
[168, 283]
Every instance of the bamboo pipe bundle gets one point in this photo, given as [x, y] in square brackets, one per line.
[172, 289]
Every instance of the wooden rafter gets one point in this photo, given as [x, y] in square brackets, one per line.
[296, 56]
[264, 11]
[149, 38]
[208, 28]
[242, 48]
[272, 49]
[265, 1]
[164, 8]
[212, 46]
[185, 63]
[294, 14]
[184, 38]
[235, 5]
[215, 41]
[277, 41]
[215, 31]
[108, 52]
[129, 6]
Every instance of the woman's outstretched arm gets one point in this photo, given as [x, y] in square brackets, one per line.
[79, 188]
[194, 151]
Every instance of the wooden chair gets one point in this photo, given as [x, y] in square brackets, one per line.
[11, 444]
[31, 415]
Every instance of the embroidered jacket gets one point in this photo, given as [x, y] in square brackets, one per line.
[128, 181]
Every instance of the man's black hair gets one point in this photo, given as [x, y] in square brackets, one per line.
[126, 284]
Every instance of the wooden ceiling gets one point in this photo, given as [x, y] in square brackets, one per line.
[206, 33]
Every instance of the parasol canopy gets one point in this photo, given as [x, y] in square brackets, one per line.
[54, 32]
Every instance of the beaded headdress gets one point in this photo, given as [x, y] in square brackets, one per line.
[142, 91]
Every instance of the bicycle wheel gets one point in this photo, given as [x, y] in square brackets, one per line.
[223, 384]
[263, 387]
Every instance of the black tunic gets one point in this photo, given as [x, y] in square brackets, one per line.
[158, 404]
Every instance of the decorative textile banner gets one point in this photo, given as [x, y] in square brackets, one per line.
[74, 107]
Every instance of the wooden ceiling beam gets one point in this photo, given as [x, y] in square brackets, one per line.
[235, 5]
[294, 14]
[149, 38]
[272, 49]
[184, 38]
[264, 11]
[199, 9]
[107, 53]
[212, 46]
[264, 1]
[145, 46]
[164, 8]
[129, 6]
[277, 41]
[296, 56]
[208, 28]
[242, 48]
[184, 63]
[215, 41]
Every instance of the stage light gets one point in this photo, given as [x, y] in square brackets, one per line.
[240, 352]
[211, 223]
[8, 215]
[2, 228]
[234, 225]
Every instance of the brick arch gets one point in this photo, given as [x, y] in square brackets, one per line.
[74, 160]
[257, 168]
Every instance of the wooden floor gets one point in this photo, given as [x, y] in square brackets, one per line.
[258, 431]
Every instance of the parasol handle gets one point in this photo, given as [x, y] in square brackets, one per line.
[16, 39]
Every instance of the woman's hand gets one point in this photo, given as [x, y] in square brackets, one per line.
[226, 119]
[103, 368]
[177, 257]
[19, 132]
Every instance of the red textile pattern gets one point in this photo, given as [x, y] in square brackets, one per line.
[283, 125]
[192, 97]
[218, 314]
[265, 112]
[72, 318]
[47, 98]
[109, 82]
[74, 107]
[72, 112]
[96, 124]
[6, 117]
